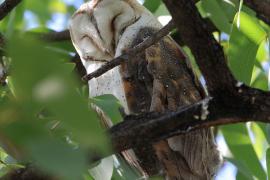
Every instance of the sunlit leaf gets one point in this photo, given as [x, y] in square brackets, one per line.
[259, 140]
[243, 46]
[214, 11]
[57, 6]
[240, 145]
[261, 81]
[262, 52]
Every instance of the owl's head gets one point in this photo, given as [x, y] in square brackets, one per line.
[101, 29]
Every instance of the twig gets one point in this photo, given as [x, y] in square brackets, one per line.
[56, 36]
[131, 52]
[7, 6]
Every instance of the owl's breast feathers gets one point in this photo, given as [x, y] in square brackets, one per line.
[158, 80]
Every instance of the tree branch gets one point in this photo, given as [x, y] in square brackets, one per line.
[231, 103]
[56, 36]
[131, 52]
[208, 52]
[251, 104]
[7, 7]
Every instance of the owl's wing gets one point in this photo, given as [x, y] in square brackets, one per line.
[161, 79]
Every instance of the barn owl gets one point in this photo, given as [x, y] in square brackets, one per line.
[159, 79]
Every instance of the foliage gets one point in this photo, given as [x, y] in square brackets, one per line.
[44, 111]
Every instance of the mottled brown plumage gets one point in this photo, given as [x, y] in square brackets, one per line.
[161, 79]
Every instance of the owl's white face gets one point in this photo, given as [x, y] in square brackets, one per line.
[99, 27]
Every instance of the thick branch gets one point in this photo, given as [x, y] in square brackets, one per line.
[251, 104]
[208, 53]
[7, 6]
[131, 52]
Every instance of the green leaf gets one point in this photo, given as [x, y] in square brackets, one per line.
[51, 155]
[243, 172]
[152, 5]
[68, 67]
[192, 60]
[3, 155]
[261, 81]
[58, 158]
[243, 46]
[57, 6]
[268, 162]
[241, 176]
[229, 7]
[4, 171]
[88, 177]
[162, 11]
[29, 55]
[259, 140]
[215, 12]
[262, 55]
[267, 132]
[240, 145]
[39, 8]
[110, 106]
[48, 85]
